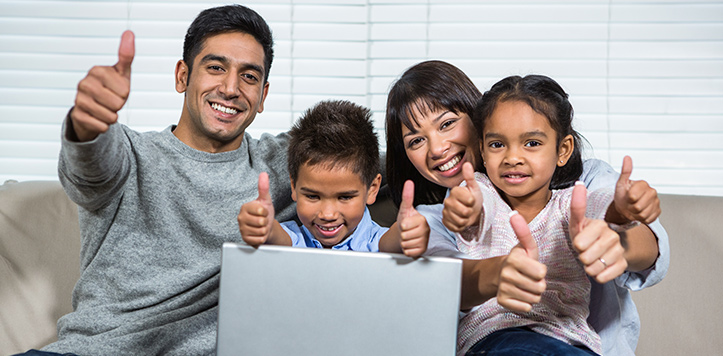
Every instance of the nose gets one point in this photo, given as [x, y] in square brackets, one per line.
[513, 157]
[438, 146]
[229, 86]
[328, 211]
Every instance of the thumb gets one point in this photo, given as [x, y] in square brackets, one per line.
[126, 52]
[625, 172]
[407, 204]
[578, 206]
[264, 187]
[519, 226]
[468, 175]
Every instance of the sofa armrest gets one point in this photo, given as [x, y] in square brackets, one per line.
[39, 262]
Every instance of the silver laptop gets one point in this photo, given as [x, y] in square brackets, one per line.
[278, 300]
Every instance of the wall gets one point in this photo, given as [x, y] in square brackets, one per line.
[645, 77]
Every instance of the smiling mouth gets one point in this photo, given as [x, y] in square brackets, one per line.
[224, 109]
[449, 165]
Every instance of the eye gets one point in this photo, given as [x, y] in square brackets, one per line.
[250, 78]
[414, 142]
[447, 124]
[533, 143]
[495, 144]
[311, 196]
[346, 197]
[215, 68]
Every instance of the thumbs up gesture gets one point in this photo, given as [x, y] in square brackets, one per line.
[463, 206]
[256, 219]
[102, 93]
[599, 248]
[412, 225]
[634, 200]
[522, 276]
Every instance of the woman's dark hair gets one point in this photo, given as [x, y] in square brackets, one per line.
[333, 134]
[225, 19]
[424, 87]
[547, 98]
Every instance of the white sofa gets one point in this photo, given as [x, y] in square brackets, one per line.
[39, 254]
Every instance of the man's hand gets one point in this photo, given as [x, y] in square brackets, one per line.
[463, 206]
[256, 218]
[413, 226]
[598, 246]
[103, 92]
[635, 200]
[522, 277]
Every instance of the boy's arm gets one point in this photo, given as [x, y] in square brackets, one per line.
[410, 233]
[256, 219]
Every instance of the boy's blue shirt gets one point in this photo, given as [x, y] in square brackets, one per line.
[365, 237]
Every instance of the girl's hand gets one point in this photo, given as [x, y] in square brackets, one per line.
[463, 206]
[256, 218]
[598, 246]
[522, 277]
[635, 200]
[412, 225]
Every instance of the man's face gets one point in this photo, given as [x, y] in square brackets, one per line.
[224, 92]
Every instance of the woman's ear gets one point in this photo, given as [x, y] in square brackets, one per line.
[374, 189]
[564, 151]
[181, 76]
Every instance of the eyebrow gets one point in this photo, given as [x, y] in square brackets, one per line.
[223, 59]
[529, 134]
[311, 191]
[439, 117]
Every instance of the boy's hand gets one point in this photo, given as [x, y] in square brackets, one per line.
[463, 206]
[522, 276]
[413, 226]
[103, 92]
[598, 246]
[256, 218]
[635, 200]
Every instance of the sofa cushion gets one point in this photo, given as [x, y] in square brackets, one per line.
[39, 262]
[680, 315]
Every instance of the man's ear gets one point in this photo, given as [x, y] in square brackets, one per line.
[181, 76]
[374, 189]
[564, 151]
[263, 98]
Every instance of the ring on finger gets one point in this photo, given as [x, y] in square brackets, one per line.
[603, 262]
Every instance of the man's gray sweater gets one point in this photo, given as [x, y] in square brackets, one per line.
[153, 216]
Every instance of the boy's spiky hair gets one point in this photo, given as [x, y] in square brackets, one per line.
[335, 134]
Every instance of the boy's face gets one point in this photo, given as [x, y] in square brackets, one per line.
[331, 202]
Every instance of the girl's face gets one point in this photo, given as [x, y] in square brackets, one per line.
[440, 144]
[520, 151]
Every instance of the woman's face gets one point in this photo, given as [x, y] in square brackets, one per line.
[440, 144]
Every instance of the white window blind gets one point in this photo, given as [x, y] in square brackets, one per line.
[645, 77]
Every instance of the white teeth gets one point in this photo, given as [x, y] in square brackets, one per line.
[447, 166]
[328, 228]
[224, 109]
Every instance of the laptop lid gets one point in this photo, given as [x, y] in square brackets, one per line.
[278, 300]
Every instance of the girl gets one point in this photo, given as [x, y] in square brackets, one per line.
[530, 152]
[432, 101]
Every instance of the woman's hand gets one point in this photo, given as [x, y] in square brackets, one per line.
[599, 248]
[463, 206]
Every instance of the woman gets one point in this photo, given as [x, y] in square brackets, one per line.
[430, 136]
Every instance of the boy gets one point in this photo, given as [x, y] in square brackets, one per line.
[333, 165]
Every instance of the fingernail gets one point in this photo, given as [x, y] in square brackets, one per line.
[513, 213]
[580, 183]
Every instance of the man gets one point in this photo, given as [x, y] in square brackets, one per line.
[156, 207]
